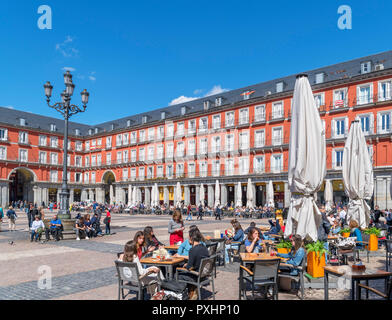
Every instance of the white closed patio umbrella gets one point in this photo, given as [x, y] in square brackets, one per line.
[270, 195]
[249, 195]
[111, 194]
[202, 194]
[178, 195]
[129, 195]
[134, 196]
[357, 175]
[156, 195]
[217, 194]
[239, 195]
[328, 195]
[152, 200]
[307, 162]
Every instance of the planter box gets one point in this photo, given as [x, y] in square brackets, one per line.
[346, 234]
[315, 265]
[283, 250]
[373, 243]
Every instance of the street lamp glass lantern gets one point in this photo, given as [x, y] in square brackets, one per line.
[48, 89]
[85, 96]
[70, 89]
[63, 94]
[67, 78]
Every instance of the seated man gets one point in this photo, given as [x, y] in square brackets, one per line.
[37, 228]
[275, 228]
[81, 229]
[55, 228]
[95, 224]
[253, 225]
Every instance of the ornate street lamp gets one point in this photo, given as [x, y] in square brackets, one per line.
[67, 110]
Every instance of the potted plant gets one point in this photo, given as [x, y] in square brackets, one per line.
[284, 246]
[345, 232]
[373, 233]
[316, 259]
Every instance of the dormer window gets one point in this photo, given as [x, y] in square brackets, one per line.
[144, 119]
[246, 95]
[128, 123]
[218, 101]
[163, 115]
[112, 126]
[320, 77]
[90, 132]
[22, 122]
[96, 130]
[53, 127]
[279, 86]
[183, 111]
[366, 67]
[206, 105]
[77, 132]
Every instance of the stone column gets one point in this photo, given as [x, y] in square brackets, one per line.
[187, 195]
[254, 193]
[83, 195]
[45, 196]
[91, 194]
[166, 195]
[287, 195]
[4, 197]
[197, 195]
[147, 196]
[223, 194]
[382, 193]
[58, 195]
[35, 191]
[235, 194]
[211, 196]
[71, 196]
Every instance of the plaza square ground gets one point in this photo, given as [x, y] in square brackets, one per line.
[84, 270]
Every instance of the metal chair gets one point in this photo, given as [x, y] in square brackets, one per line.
[220, 252]
[129, 279]
[299, 277]
[264, 275]
[387, 295]
[235, 252]
[365, 246]
[388, 250]
[204, 277]
[212, 249]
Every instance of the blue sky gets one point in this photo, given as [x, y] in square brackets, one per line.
[135, 56]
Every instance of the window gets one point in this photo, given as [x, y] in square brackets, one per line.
[22, 122]
[339, 127]
[218, 101]
[191, 147]
[99, 159]
[276, 163]
[319, 100]
[23, 155]
[128, 123]
[118, 140]
[133, 137]
[277, 110]
[259, 138]
[338, 157]
[87, 161]
[3, 134]
[229, 143]
[90, 131]
[183, 111]
[260, 113]
[53, 127]
[108, 158]
[230, 119]
[244, 140]
[142, 136]
[23, 137]
[68, 160]
[54, 142]
[203, 169]
[366, 123]
[364, 94]
[3, 153]
[170, 130]
[279, 87]
[151, 134]
[151, 152]
[77, 132]
[384, 122]
[150, 173]
[125, 139]
[203, 146]
[216, 168]
[87, 146]
[160, 152]
[170, 150]
[216, 144]
[42, 141]
[320, 77]
[78, 161]
[108, 142]
[277, 136]
[163, 115]
[141, 173]
[133, 174]
[244, 116]
[366, 67]
[133, 155]
[244, 165]
[180, 170]
[206, 105]
[246, 95]
[229, 167]
[339, 98]
[69, 145]
[78, 177]
[93, 177]
[180, 149]
[86, 177]
[78, 146]
[191, 170]
[161, 134]
[160, 172]
[203, 124]
[144, 119]
[384, 90]
[258, 165]
[169, 171]
[142, 154]
[180, 129]
[119, 157]
[192, 126]
[216, 121]
[54, 176]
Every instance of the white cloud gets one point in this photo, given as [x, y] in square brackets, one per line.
[9, 107]
[69, 69]
[66, 49]
[217, 89]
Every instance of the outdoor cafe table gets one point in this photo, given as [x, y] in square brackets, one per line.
[168, 264]
[355, 276]
[173, 247]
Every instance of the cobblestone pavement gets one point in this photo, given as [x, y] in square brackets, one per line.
[84, 270]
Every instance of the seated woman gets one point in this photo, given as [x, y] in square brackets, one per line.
[151, 241]
[196, 254]
[253, 242]
[141, 245]
[81, 229]
[186, 246]
[148, 275]
[89, 228]
[238, 238]
[356, 232]
[37, 228]
[295, 256]
[336, 227]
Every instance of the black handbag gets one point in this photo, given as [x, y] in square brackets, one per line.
[172, 285]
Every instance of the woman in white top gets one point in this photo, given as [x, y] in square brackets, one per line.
[148, 276]
[37, 228]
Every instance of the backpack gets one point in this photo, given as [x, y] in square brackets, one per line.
[178, 288]
[106, 220]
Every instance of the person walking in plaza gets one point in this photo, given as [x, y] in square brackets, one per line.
[200, 213]
[107, 221]
[11, 214]
[37, 228]
[189, 212]
[218, 212]
[176, 228]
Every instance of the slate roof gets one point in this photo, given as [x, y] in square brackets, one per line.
[334, 72]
